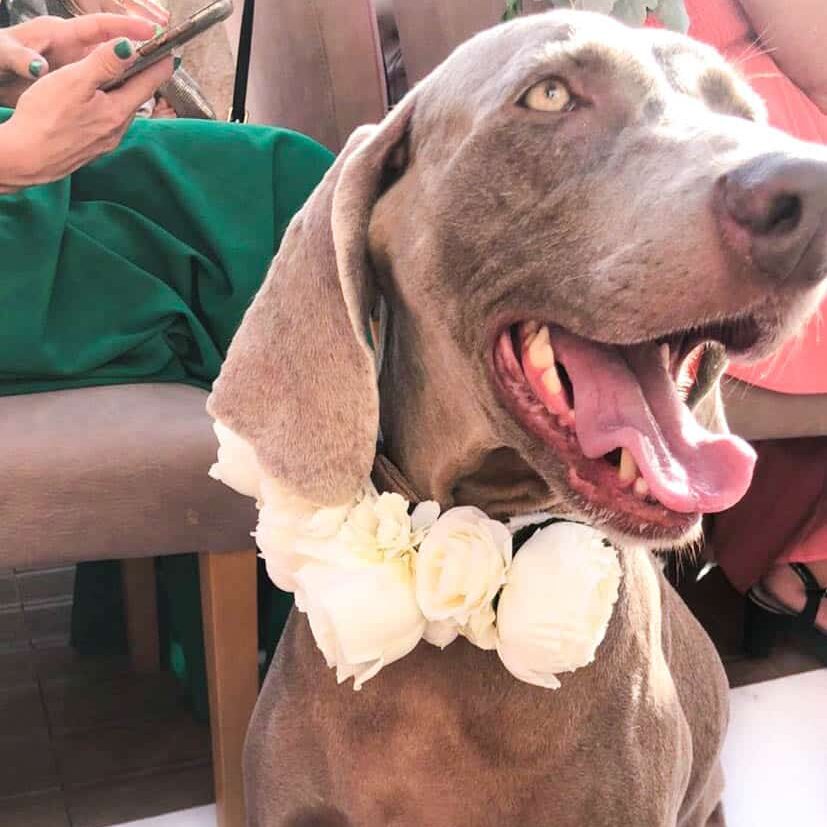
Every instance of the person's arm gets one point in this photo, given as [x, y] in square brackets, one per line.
[796, 32]
[63, 120]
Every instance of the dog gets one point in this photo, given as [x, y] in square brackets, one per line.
[561, 192]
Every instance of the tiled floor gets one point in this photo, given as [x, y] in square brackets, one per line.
[85, 743]
[720, 609]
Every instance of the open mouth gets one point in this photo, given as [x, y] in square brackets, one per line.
[616, 417]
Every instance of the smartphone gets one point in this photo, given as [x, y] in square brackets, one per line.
[151, 51]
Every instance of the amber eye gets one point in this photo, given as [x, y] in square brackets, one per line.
[550, 95]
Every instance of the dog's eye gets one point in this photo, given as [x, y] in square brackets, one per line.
[549, 95]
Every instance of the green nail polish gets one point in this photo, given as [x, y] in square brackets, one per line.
[35, 68]
[176, 62]
[123, 49]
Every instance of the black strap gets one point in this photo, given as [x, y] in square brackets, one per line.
[815, 593]
[238, 113]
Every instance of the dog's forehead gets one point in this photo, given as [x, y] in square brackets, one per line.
[694, 68]
[490, 68]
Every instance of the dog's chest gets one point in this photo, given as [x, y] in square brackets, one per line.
[449, 737]
[477, 753]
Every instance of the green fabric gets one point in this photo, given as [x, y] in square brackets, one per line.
[139, 266]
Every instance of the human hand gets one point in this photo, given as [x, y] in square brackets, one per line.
[30, 50]
[64, 120]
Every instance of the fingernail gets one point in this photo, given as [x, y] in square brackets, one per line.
[123, 49]
[176, 62]
[35, 68]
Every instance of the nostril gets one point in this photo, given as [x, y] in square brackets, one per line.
[772, 210]
[784, 214]
[759, 206]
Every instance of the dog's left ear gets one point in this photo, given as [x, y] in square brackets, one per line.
[299, 381]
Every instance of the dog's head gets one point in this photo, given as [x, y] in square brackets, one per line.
[570, 224]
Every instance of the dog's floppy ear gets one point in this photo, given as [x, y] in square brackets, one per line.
[299, 381]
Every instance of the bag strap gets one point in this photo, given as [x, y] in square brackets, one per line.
[238, 111]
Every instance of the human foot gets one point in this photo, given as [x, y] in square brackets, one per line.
[786, 587]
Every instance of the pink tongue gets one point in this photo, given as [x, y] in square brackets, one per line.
[628, 400]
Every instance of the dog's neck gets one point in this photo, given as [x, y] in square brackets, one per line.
[387, 477]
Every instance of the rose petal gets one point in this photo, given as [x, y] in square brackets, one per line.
[236, 465]
[441, 632]
[481, 629]
[557, 603]
[424, 515]
[362, 619]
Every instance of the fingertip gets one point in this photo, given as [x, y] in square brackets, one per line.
[138, 28]
[123, 49]
[149, 26]
[38, 67]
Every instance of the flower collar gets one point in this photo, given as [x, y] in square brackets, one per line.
[379, 574]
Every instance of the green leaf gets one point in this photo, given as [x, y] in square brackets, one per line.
[672, 13]
[602, 6]
[512, 9]
[631, 12]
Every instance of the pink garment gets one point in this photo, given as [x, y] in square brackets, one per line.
[801, 365]
[783, 517]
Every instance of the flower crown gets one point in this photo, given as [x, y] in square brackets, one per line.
[375, 576]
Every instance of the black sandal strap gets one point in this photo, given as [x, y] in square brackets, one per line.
[814, 590]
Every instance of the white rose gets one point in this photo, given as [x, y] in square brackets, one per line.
[556, 605]
[292, 531]
[379, 527]
[461, 565]
[362, 618]
[236, 465]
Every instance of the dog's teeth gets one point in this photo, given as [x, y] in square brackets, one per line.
[551, 381]
[641, 488]
[664, 355]
[528, 330]
[540, 353]
[628, 467]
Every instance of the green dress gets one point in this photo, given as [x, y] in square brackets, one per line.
[138, 268]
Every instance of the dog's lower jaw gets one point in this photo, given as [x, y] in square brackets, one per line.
[665, 469]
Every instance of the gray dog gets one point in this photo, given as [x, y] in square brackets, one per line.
[570, 223]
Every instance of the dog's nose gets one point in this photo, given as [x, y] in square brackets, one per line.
[774, 211]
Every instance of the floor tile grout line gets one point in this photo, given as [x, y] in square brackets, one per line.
[52, 750]
[143, 773]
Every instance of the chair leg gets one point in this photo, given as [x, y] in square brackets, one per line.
[228, 606]
[141, 608]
